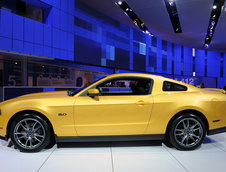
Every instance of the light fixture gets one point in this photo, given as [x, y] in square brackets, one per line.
[132, 15]
[171, 3]
[173, 15]
[119, 3]
[16, 63]
[206, 45]
[214, 17]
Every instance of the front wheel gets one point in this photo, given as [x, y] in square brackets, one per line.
[187, 132]
[30, 133]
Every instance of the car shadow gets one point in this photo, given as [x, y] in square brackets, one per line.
[208, 140]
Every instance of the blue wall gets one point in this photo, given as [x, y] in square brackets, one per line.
[53, 38]
[72, 31]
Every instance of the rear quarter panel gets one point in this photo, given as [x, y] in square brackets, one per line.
[168, 104]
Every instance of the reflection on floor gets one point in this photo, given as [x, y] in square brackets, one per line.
[117, 157]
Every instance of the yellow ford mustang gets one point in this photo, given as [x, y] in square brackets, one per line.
[118, 107]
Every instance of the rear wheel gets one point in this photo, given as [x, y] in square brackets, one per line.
[187, 132]
[30, 133]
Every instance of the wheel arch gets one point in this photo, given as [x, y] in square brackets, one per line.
[191, 111]
[28, 112]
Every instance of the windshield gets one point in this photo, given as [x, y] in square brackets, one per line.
[72, 93]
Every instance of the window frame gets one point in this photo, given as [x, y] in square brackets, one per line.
[121, 78]
[185, 88]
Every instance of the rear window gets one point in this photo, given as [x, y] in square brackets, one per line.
[170, 86]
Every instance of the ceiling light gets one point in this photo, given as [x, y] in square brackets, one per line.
[171, 3]
[119, 2]
[213, 23]
[206, 45]
[214, 7]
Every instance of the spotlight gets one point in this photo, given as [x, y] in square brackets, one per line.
[214, 7]
[206, 45]
[213, 23]
[151, 34]
[119, 2]
[171, 3]
[127, 9]
[147, 32]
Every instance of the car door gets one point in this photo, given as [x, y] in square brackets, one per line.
[116, 111]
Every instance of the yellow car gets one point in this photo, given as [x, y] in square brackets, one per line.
[117, 107]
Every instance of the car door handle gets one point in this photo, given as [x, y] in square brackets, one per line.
[141, 102]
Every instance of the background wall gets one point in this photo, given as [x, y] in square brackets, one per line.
[72, 31]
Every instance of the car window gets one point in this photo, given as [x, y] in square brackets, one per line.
[170, 86]
[126, 86]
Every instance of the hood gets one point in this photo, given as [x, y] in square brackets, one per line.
[40, 95]
[45, 94]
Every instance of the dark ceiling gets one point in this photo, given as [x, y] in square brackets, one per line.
[194, 18]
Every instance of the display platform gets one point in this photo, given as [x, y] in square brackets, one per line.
[117, 157]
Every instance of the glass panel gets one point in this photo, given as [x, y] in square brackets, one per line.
[136, 86]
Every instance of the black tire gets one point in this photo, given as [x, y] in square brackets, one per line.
[167, 142]
[30, 133]
[52, 141]
[187, 132]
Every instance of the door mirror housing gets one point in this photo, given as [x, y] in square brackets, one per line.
[93, 92]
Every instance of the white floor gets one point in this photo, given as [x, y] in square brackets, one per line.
[117, 157]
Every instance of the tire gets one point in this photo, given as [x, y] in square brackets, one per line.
[187, 132]
[52, 141]
[30, 133]
[167, 142]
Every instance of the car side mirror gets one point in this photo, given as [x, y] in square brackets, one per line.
[93, 92]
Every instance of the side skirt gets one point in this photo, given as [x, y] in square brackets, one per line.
[217, 131]
[110, 138]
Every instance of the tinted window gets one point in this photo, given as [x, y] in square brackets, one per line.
[126, 86]
[170, 86]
